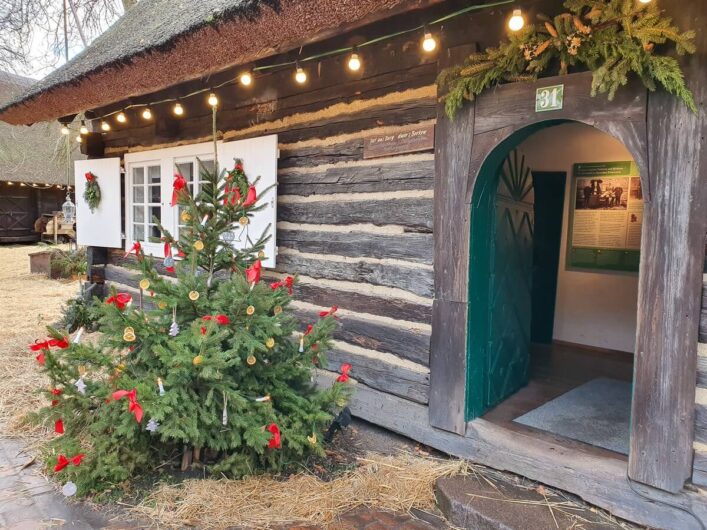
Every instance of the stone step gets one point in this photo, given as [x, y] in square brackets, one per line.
[474, 502]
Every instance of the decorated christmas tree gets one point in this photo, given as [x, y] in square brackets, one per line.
[207, 364]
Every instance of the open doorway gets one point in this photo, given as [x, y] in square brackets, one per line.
[553, 286]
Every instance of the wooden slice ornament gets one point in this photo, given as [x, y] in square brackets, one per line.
[198, 245]
[250, 310]
[193, 296]
[129, 334]
[312, 439]
[196, 361]
[185, 216]
[251, 360]
[144, 284]
[277, 309]
[270, 343]
[243, 220]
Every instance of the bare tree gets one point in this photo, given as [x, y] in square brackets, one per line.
[32, 38]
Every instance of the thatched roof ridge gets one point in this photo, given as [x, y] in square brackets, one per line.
[159, 43]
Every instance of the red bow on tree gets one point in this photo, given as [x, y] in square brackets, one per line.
[252, 273]
[62, 461]
[274, 442]
[55, 392]
[43, 346]
[222, 320]
[136, 248]
[59, 426]
[345, 369]
[120, 300]
[330, 312]
[179, 185]
[90, 176]
[310, 327]
[288, 282]
[133, 405]
[231, 193]
[168, 254]
[251, 198]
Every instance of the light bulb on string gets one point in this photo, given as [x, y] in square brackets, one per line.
[246, 78]
[147, 114]
[121, 117]
[178, 109]
[83, 129]
[78, 138]
[516, 22]
[213, 100]
[105, 126]
[645, 1]
[429, 43]
[354, 62]
[65, 130]
[300, 75]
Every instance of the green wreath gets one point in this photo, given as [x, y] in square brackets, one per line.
[92, 193]
[612, 38]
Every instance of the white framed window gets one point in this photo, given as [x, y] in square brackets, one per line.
[149, 186]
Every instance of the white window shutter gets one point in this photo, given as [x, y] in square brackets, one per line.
[100, 228]
[259, 156]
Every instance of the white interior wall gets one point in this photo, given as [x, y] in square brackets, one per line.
[595, 308]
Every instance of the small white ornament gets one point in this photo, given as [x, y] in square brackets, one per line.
[77, 337]
[228, 237]
[152, 425]
[174, 327]
[168, 261]
[301, 344]
[224, 416]
[80, 385]
[69, 489]
[161, 387]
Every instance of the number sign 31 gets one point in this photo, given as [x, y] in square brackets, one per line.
[549, 98]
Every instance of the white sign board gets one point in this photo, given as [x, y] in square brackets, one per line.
[100, 228]
[259, 156]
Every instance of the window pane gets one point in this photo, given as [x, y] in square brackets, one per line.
[139, 232]
[206, 165]
[153, 174]
[155, 234]
[155, 211]
[155, 194]
[138, 175]
[139, 214]
[139, 194]
[186, 169]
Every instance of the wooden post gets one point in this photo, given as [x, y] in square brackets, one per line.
[670, 278]
[448, 353]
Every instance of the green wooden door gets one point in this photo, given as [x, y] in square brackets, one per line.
[501, 284]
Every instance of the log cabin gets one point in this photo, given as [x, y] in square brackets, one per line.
[33, 180]
[520, 286]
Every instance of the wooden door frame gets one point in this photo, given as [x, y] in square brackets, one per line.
[659, 459]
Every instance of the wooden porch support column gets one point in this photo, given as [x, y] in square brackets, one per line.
[453, 139]
[670, 276]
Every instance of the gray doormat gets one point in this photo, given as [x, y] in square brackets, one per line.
[597, 413]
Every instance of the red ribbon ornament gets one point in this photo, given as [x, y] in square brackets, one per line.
[310, 327]
[62, 461]
[288, 282]
[330, 312]
[136, 248]
[133, 405]
[179, 185]
[59, 426]
[345, 369]
[252, 273]
[90, 176]
[120, 300]
[251, 198]
[44, 346]
[221, 320]
[274, 442]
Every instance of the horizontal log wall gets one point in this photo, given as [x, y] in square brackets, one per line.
[358, 232]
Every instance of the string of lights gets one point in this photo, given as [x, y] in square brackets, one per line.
[246, 78]
[38, 186]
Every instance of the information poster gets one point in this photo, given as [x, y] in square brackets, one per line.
[606, 216]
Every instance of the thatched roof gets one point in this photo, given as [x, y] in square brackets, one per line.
[29, 154]
[159, 43]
